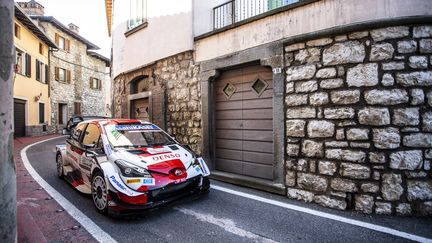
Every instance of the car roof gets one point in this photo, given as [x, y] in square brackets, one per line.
[118, 121]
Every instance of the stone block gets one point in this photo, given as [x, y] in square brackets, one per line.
[406, 117]
[311, 182]
[331, 83]
[354, 171]
[345, 52]
[327, 167]
[290, 178]
[301, 195]
[318, 98]
[296, 99]
[386, 97]
[403, 209]
[429, 98]
[300, 72]
[309, 55]
[345, 154]
[341, 38]
[339, 113]
[345, 97]
[374, 116]
[418, 62]
[422, 31]
[343, 185]
[387, 80]
[358, 134]
[383, 208]
[419, 190]
[377, 157]
[393, 66]
[417, 96]
[295, 128]
[319, 42]
[427, 121]
[294, 47]
[302, 165]
[391, 186]
[407, 46]
[382, 51]
[425, 208]
[386, 138]
[360, 145]
[418, 140]
[329, 202]
[406, 160]
[425, 45]
[312, 149]
[419, 78]
[358, 35]
[326, 73]
[370, 187]
[389, 33]
[336, 144]
[363, 75]
[306, 86]
[320, 129]
[293, 149]
[289, 87]
[304, 112]
[364, 203]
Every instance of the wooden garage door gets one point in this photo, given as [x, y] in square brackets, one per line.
[140, 109]
[19, 118]
[244, 123]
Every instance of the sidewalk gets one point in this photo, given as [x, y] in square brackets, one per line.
[40, 218]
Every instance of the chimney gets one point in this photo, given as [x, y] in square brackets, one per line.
[32, 8]
[74, 28]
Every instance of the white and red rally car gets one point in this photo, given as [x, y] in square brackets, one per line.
[129, 165]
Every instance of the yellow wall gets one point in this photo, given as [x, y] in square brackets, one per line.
[28, 88]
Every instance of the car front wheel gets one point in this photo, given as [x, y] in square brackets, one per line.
[99, 192]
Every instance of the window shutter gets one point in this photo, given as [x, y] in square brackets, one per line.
[38, 74]
[68, 76]
[91, 83]
[99, 84]
[57, 39]
[67, 45]
[47, 77]
[57, 74]
[28, 65]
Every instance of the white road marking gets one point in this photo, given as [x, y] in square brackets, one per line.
[85, 221]
[326, 215]
[226, 224]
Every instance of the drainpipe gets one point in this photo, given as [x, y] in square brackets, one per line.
[8, 221]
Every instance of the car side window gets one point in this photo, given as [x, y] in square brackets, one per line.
[91, 135]
[76, 134]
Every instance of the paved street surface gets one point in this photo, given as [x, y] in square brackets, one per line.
[224, 217]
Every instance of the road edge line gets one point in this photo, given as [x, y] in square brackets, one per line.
[342, 219]
[79, 216]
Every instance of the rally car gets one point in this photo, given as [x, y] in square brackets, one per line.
[129, 165]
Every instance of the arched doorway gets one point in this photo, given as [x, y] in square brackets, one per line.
[139, 99]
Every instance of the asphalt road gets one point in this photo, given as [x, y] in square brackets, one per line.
[224, 217]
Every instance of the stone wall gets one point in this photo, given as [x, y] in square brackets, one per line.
[176, 93]
[359, 121]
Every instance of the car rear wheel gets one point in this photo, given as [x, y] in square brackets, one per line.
[99, 192]
[59, 162]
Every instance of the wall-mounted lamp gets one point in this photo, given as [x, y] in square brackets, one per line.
[37, 97]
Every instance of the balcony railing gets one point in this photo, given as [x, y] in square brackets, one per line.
[238, 10]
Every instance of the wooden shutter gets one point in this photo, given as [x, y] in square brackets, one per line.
[68, 76]
[28, 65]
[47, 77]
[77, 108]
[99, 84]
[57, 39]
[67, 42]
[57, 73]
[38, 73]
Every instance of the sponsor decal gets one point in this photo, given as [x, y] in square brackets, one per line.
[130, 181]
[117, 183]
[108, 149]
[149, 181]
[163, 157]
[203, 167]
[135, 127]
[71, 156]
[179, 181]
[198, 169]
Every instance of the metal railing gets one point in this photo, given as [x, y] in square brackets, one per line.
[237, 10]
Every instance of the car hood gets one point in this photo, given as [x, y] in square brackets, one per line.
[158, 158]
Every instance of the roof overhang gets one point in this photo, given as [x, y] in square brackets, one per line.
[109, 14]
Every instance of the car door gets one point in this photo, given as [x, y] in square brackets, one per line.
[74, 150]
[91, 144]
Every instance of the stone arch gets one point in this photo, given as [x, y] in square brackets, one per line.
[139, 84]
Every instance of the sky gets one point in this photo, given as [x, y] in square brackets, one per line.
[88, 15]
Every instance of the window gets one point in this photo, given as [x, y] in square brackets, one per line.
[62, 113]
[41, 113]
[23, 63]
[228, 90]
[76, 134]
[91, 135]
[138, 13]
[62, 75]
[41, 49]
[41, 71]
[95, 83]
[62, 43]
[17, 31]
[77, 108]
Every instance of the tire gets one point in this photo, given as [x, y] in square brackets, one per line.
[205, 188]
[59, 163]
[99, 192]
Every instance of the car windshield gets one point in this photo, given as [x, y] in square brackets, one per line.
[136, 136]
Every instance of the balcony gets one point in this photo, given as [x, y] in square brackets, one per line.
[238, 10]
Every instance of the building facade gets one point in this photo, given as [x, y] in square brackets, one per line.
[31, 81]
[79, 76]
[324, 101]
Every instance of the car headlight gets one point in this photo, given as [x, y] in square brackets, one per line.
[130, 170]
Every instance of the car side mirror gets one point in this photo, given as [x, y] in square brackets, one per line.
[66, 131]
[89, 146]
